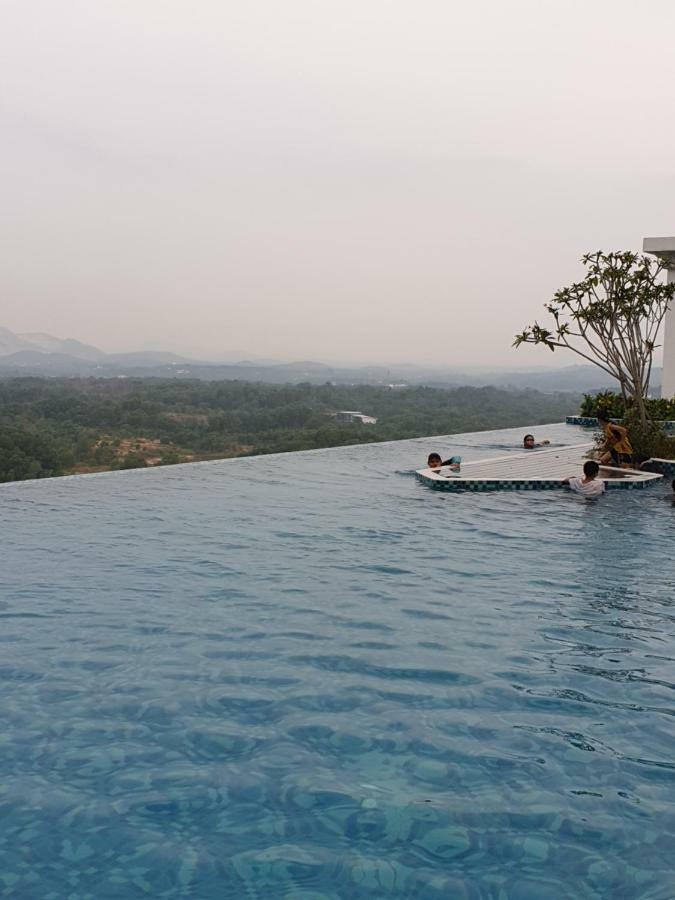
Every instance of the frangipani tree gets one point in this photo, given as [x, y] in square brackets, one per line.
[611, 319]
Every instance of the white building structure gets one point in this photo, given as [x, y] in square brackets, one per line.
[352, 415]
[664, 248]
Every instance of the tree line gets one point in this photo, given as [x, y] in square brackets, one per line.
[55, 426]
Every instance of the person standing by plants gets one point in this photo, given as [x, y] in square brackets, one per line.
[617, 448]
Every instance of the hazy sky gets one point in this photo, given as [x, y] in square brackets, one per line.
[355, 180]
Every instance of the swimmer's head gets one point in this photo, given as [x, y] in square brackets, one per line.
[528, 440]
[434, 461]
[591, 468]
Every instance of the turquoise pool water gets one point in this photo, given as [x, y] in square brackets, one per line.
[308, 676]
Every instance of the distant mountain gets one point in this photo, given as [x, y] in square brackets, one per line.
[145, 358]
[38, 362]
[587, 379]
[47, 351]
[69, 346]
[570, 378]
[43, 354]
[12, 343]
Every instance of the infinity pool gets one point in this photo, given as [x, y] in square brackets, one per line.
[308, 676]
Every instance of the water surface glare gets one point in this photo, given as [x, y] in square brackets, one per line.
[309, 676]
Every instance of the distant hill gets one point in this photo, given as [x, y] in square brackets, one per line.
[12, 343]
[43, 354]
[48, 344]
[38, 362]
[145, 358]
[37, 351]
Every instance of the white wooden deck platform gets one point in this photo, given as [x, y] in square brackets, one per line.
[530, 471]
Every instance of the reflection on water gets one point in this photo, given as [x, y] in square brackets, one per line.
[306, 676]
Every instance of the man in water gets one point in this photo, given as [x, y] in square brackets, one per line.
[590, 485]
[434, 462]
[617, 448]
[529, 442]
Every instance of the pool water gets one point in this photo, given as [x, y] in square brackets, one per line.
[308, 676]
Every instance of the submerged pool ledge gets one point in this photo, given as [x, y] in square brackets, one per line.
[535, 470]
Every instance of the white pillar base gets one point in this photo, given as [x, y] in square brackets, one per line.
[664, 248]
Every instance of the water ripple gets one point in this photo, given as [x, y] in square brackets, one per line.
[331, 682]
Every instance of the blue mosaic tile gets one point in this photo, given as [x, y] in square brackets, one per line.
[591, 422]
[663, 466]
[543, 485]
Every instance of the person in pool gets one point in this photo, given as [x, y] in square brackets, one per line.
[434, 462]
[590, 485]
[617, 449]
[529, 442]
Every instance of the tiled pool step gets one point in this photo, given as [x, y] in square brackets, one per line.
[534, 470]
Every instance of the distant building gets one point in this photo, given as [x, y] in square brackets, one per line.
[349, 415]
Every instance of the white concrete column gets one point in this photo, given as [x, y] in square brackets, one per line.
[664, 248]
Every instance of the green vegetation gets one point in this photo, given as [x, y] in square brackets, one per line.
[659, 410]
[24, 454]
[648, 439]
[56, 426]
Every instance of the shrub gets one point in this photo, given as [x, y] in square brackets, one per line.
[648, 439]
[612, 404]
[133, 461]
[171, 456]
[662, 409]
[27, 455]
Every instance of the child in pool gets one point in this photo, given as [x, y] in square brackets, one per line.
[590, 485]
[434, 462]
